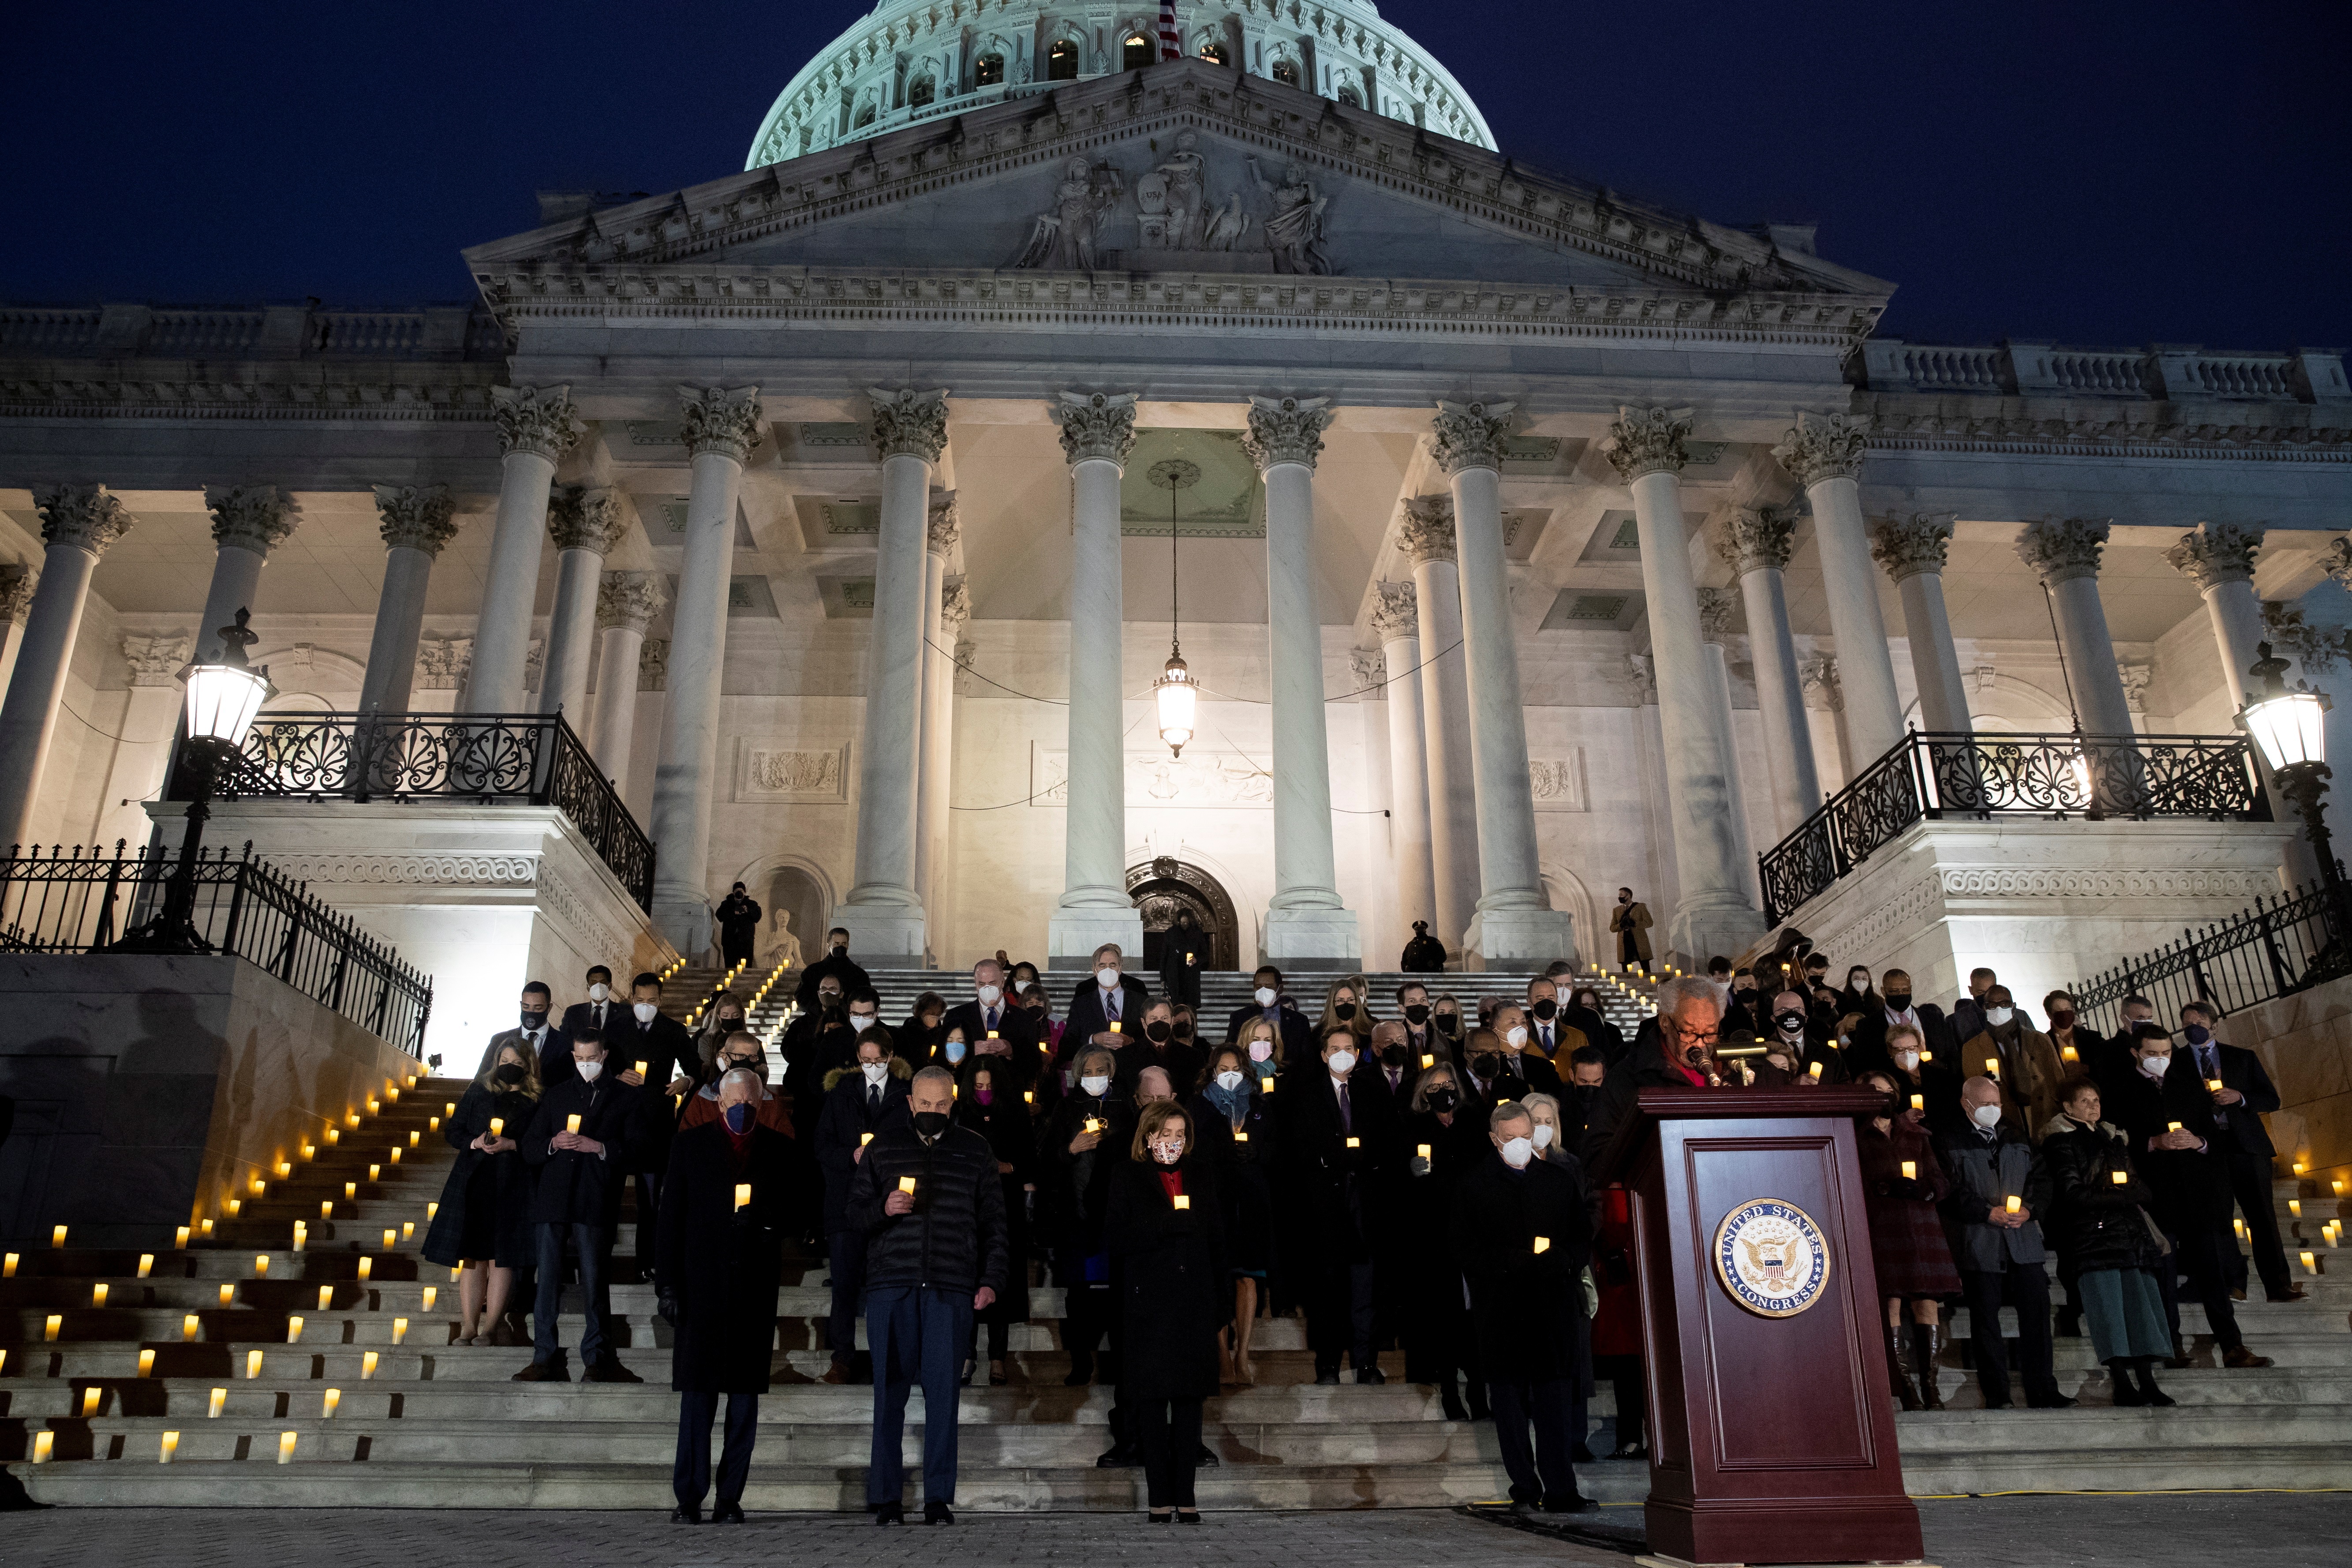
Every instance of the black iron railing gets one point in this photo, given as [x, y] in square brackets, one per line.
[67, 901]
[1983, 775]
[2277, 948]
[487, 758]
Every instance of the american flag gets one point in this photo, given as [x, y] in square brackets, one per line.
[1171, 48]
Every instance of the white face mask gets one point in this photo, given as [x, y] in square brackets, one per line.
[1264, 995]
[1341, 1063]
[2153, 1066]
[1542, 1136]
[1260, 1049]
[1094, 1085]
[1997, 1016]
[599, 992]
[1986, 1116]
[647, 1011]
[1517, 1151]
[589, 1071]
[1107, 978]
[1515, 1037]
[953, 1050]
[1907, 1061]
[875, 1072]
[1168, 1151]
[987, 994]
[1228, 1080]
[861, 1022]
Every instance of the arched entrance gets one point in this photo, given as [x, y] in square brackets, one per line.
[1162, 887]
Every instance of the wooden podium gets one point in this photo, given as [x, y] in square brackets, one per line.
[1771, 1429]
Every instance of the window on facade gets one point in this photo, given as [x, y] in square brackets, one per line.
[1139, 51]
[1351, 98]
[1287, 72]
[865, 116]
[920, 93]
[1213, 52]
[1062, 62]
[989, 72]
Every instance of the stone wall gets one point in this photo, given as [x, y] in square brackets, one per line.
[2306, 1043]
[149, 1090]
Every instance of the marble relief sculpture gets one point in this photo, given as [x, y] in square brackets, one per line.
[1065, 237]
[1294, 230]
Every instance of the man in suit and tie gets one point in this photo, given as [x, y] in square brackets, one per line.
[550, 1046]
[996, 1026]
[1894, 1005]
[603, 1010]
[1547, 1036]
[1421, 1037]
[2245, 1093]
[1391, 1062]
[1267, 1001]
[646, 1035]
[1106, 997]
[1342, 1149]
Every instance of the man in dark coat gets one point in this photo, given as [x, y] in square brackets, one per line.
[548, 1045]
[1184, 949]
[1522, 1229]
[1896, 1004]
[1109, 995]
[1341, 1145]
[727, 1201]
[603, 1010]
[738, 926]
[836, 963]
[817, 1042]
[2246, 1093]
[928, 1198]
[1673, 1049]
[862, 1101]
[1267, 1001]
[1999, 1249]
[649, 1035]
[1424, 955]
[993, 1012]
[583, 1140]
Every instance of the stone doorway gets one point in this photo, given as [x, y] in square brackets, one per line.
[1164, 886]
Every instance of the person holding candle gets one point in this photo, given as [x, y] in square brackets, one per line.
[1902, 1184]
[987, 1104]
[1794, 1049]
[1235, 1131]
[996, 1025]
[741, 1048]
[918, 1039]
[1443, 1135]
[1082, 1143]
[2241, 1093]
[731, 1194]
[862, 1101]
[1268, 1002]
[1109, 995]
[837, 967]
[1896, 1008]
[550, 1046]
[1341, 1147]
[649, 1035]
[483, 1225]
[1183, 953]
[2080, 1047]
[1165, 1225]
[2027, 1071]
[577, 1200]
[1997, 1194]
[929, 1201]
[2110, 1250]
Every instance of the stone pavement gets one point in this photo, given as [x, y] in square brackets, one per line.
[2166, 1531]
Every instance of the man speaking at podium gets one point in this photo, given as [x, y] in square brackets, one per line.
[1673, 1051]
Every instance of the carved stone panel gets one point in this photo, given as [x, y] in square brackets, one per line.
[1559, 781]
[766, 776]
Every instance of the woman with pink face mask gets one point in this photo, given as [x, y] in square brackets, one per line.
[987, 1102]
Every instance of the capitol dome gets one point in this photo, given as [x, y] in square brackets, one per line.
[911, 60]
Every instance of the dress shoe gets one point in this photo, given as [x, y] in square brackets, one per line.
[543, 1372]
[837, 1372]
[2244, 1358]
[889, 1513]
[1162, 1518]
[1526, 1510]
[996, 1378]
[1636, 1449]
[1574, 1503]
[1369, 1375]
[727, 1514]
[937, 1512]
[2294, 1293]
[606, 1369]
[1205, 1459]
[687, 1513]
[1326, 1377]
[1118, 1456]
[1449, 1400]
[1188, 1516]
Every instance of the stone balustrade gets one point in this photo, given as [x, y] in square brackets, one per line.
[2017, 368]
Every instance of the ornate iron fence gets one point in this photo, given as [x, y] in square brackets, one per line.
[2277, 948]
[533, 758]
[1934, 776]
[71, 903]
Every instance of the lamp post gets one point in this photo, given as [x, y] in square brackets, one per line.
[2288, 726]
[223, 698]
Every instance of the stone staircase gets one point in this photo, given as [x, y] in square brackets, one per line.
[417, 1421]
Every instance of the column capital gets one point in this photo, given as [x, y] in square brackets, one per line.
[17, 581]
[1095, 425]
[1759, 538]
[154, 661]
[1647, 441]
[2213, 553]
[1369, 666]
[586, 517]
[1470, 434]
[1427, 532]
[1913, 543]
[2316, 650]
[540, 420]
[722, 420]
[1715, 608]
[251, 517]
[415, 517]
[955, 609]
[1823, 446]
[83, 516]
[1396, 611]
[1286, 430]
[946, 525]
[2062, 549]
[630, 600]
[909, 422]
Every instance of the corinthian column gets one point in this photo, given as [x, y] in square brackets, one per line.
[883, 912]
[1757, 545]
[248, 522]
[722, 425]
[1427, 536]
[585, 523]
[1912, 550]
[2064, 553]
[2219, 557]
[1305, 921]
[935, 819]
[1717, 609]
[535, 429]
[626, 604]
[1396, 621]
[1515, 922]
[1713, 915]
[77, 523]
[17, 581]
[415, 522]
[1098, 432]
[938, 677]
[1824, 454]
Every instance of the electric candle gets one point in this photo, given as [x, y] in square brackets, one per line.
[1355, 1142]
[2172, 1127]
[309, 1150]
[146, 1264]
[2294, 1207]
[407, 1230]
[497, 1126]
[51, 1326]
[57, 1236]
[170, 1447]
[905, 1184]
[390, 1240]
[399, 1329]
[2120, 1177]
[430, 1292]
[227, 1295]
[1427, 1061]
[294, 1329]
[1114, 1026]
[2015, 1204]
[1543, 1243]
[334, 1135]
[1814, 1072]
[367, 1365]
[181, 1237]
[1182, 1202]
[301, 1236]
[326, 1208]
[863, 1138]
[90, 1396]
[334, 1397]
[641, 1069]
[413, 1137]
[448, 1108]
[431, 1208]
[2214, 1084]
[1992, 1067]
[188, 1327]
[351, 1189]
[219, 1398]
[146, 1364]
[2310, 1262]
[376, 1172]
[261, 1263]
[1918, 1102]
[572, 1123]
[252, 1364]
[395, 1154]
[42, 1443]
[326, 1297]
[1241, 1137]
[1910, 1169]
[9, 1267]
[742, 1195]
[98, 1295]
[2068, 1053]
[1421, 1150]
[285, 1447]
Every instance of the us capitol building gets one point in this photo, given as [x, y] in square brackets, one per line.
[1522, 540]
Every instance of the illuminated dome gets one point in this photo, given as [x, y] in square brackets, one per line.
[911, 60]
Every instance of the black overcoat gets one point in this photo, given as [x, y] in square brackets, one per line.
[508, 1181]
[726, 1264]
[1174, 1280]
[1525, 1305]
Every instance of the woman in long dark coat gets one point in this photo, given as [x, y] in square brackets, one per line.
[1438, 1346]
[1074, 1171]
[483, 1225]
[988, 1102]
[1166, 1229]
[721, 1263]
[1234, 1130]
[1906, 1239]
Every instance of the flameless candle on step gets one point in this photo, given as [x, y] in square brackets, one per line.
[2310, 1263]
[376, 1172]
[285, 1447]
[334, 1135]
[294, 1329]
[326, 1297]
[407, 1230]
[146, 1364]
[57, 1236]
[227, 1295]
[170, 1447]
[252, 1365]
[233, 1205]
[188, 1327]
[395, 1154]
[2294, 1207]
[390, 1240]
[430, 1292]
[399, 1329]
[260, 1263]
[219, 1398]
[327, 1406]
[98, 1295]
[181, 1238]
[93, 1393]
[367, 1365]
[42, 1443]
[431, 1208]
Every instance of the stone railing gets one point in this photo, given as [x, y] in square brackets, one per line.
[2014, 368]
[276, 332]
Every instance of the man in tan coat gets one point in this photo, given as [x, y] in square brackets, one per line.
[2028, 1069]
[1631, 923]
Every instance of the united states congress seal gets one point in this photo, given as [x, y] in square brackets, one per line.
[1772, 1257]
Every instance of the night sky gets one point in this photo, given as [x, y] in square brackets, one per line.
[2101, 174]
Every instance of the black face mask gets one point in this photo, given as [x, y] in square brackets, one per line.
[930, 1123]
[1182, 1031]
[1038, 1008]
[1443, 1100]
[828, 1003]
[1741, 996]
[531, 1020]
[1394, 1054]
[1448, 1022]
[840, 950]
[509, 1074]
[1343, 1011]
[1485, 1065]
[1157, 1032]
[1581, 1093]
[1899, 1000]
[1544, 1009]
[1788, 1021]
[1417, 1014]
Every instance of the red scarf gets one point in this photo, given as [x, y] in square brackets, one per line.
[1697, 1079]
[1172, 1181]
[739, 1144]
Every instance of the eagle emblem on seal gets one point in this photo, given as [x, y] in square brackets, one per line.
[1771, 1257]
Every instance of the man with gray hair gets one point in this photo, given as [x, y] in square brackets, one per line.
[1675, 1049]
[927, 1198]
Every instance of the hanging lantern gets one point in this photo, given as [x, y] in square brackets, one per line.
[1175, 694]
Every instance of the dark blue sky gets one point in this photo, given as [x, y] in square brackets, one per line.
[2102, 174]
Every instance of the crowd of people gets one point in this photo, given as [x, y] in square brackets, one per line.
[1405, 1172]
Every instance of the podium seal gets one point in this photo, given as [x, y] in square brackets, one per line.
[1771, 1257]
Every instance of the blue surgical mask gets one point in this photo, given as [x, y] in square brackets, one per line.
[739, 1119]
[2197, 1033]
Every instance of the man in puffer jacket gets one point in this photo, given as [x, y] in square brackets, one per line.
[928, 1199]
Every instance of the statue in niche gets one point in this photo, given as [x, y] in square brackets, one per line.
[1185, 173]
[784, 947]
[1064, 239]
[1294, 229]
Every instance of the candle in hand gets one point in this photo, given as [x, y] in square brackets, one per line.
[572, 1123]
[1543, 1243]
[2121, 1177]
[2015, 1204]
[905, 1184]
[1422, 1149]
[1918, 1102]
[1182, 1202]
[497, 1126]
[641, 1069]
[1814, 1072]
[1910, 1169]
[742, 1195]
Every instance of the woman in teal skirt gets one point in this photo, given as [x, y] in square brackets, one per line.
[2107, 1241]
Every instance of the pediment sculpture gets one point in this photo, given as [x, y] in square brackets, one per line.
[1179, 222]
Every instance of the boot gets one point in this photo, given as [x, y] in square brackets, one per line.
[1898, 1367]
[2144, 1369]
[2119, 1374]
[1929, 1339]
[1450, 1398]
